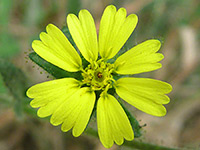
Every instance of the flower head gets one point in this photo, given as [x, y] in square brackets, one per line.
[70, 102]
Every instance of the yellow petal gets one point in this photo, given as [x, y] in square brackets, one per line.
[52, 106]
[64, 110]
[113, 124]
[75, 112]
[84, 34]
[115, 29]
[55, 48]
[49, 95]
[139, 59]
[103, 124]
[147, 95]
[88, 100]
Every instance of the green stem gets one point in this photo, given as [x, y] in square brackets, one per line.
[134, 144]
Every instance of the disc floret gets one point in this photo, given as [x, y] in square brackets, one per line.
[98, 75]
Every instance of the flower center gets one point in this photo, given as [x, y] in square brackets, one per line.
[98, 75]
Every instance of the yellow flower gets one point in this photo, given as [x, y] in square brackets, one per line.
[71, 102]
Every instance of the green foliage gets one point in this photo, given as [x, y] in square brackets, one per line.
[17, 84]
[8, 50]
[14, 79]
[73, 6]
[5, 10]
[2, 87]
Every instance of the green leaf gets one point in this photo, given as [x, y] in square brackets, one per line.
[51, 69]
[16, 82]
[73, 6]
[8, 50]
[13, 78]
[5, 10]
[2, 87]
[6, 100]
[134, 123]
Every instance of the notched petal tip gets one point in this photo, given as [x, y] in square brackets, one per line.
[75, 133]
[145, 58]
[29, 93]
[159, 65]
[107, 146]
[70, 17]
[169, 87]
[50, 26]
[33, 105]
[161, 56]
[155, 43]
[35, 43]
[110, 7]
[133, 16]
[41, 114]
[83, 12]
[122, 11]
[132, 19]
[115, 29]
[54, 123]
[147, 95]
[83, 32]
[112, 122]
[162, 113]
[130, 138]
[158, 43]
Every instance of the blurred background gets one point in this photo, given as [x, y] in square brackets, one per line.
[175, 22]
